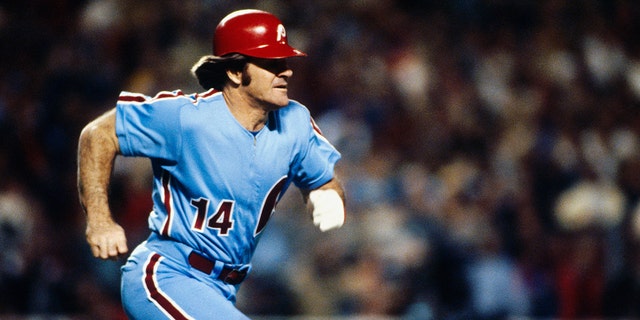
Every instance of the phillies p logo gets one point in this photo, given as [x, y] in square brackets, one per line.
[282, 34]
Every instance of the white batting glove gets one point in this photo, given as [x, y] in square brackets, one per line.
[328, 209]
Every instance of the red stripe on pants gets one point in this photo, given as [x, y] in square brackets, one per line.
[156, 294]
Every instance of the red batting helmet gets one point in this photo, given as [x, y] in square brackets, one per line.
[253, 33]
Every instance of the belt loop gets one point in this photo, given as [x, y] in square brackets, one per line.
[217, 268]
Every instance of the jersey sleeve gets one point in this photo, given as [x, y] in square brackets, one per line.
[317, 161]
[149, 127]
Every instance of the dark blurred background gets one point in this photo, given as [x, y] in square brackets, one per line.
[490, 154]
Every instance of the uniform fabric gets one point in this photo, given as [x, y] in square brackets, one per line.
[158, 284]
[215, 186]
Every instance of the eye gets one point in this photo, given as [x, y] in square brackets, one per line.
[275, 66]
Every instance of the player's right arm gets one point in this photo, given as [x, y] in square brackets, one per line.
[97, 149]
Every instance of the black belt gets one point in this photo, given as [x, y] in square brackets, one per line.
[228, 274]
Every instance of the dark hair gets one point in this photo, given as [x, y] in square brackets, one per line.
[211, 71]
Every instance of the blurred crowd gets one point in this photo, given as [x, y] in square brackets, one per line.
[491, 154]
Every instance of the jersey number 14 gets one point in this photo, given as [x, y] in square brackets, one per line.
[222, 219]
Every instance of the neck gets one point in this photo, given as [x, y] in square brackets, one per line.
[250, 116]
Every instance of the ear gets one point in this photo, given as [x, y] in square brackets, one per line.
[235, 76]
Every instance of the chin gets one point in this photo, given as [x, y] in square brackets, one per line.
[281, 102]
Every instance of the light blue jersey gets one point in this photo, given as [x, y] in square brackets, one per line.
[215, 183]
[215, 186]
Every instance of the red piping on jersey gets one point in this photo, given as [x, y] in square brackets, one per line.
[315, 127]
[166, 94]
[154, 292]
[134, 97]
[166, 177]
[131, 98]
[206, 94]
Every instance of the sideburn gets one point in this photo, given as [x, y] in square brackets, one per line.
[246, 78]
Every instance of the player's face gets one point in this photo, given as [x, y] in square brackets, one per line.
[266, 82]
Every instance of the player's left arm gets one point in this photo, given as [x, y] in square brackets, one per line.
[327, 204]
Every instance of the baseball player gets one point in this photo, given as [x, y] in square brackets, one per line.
[221, 160]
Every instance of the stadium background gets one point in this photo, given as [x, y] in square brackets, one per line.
[490, 154]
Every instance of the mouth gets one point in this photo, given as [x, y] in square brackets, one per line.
[282, 86]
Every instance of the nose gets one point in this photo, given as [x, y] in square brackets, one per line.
[286, 73]
[282, 68]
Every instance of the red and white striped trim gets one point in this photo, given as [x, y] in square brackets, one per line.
[315, 127]
[140, 98]
[150, 282]
[317, 131]
[167, 199]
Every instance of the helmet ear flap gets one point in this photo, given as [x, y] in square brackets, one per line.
[253, 33]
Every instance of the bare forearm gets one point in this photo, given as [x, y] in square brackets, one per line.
[96, 154]
[97, 150]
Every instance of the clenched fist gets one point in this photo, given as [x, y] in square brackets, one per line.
[106, 239]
